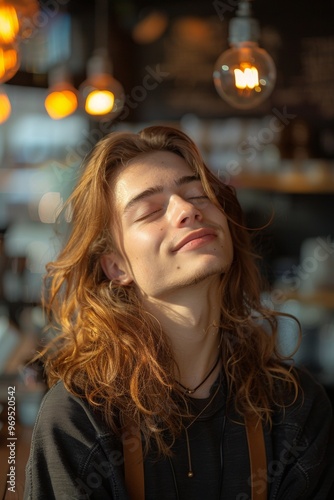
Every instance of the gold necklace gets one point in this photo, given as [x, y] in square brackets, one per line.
[190, 470]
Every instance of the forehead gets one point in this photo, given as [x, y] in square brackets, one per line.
[146, 171]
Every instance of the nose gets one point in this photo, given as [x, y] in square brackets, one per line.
[183, 212]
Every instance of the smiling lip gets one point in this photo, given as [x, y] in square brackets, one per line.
[196, 239]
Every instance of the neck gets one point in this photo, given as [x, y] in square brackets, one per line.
[190, 318]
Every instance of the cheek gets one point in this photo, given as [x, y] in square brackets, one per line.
[219, 218]
[141, 244]
[227, 233]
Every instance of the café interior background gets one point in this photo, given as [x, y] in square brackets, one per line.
[279, 155]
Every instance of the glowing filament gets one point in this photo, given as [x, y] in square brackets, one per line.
[247, 78]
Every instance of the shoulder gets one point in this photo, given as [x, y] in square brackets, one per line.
[311, 410]
[302, 439]
[305, 426]
[310, 386]
[67, 412]
[312, 399]
[72, 451]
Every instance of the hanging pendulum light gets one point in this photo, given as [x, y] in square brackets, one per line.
[103, 95]
[14, 15]
[9, 23]
[9, 28]
[245, 74]
[9, 56]
[62, 98]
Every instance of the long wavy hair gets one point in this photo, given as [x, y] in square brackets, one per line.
[112, 352]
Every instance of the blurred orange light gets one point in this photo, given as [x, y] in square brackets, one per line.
[61, 103]
[5, 107]
[9, 24]
[150, 28]
[9, 62]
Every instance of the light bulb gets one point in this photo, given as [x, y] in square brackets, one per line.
[99, 102]
[245, 74]
[62, 98]
[9, 62]
[9, 24]
[61, 102]
[5, 107]
[103, 95]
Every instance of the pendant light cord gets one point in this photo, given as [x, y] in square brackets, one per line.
[101, 25]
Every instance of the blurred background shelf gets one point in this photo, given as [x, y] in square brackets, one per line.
[319, 179]
[322, 298]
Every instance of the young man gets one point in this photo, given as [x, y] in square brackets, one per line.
[163, 335]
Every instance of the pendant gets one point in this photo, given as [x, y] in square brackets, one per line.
[190, 474]
[190, 391]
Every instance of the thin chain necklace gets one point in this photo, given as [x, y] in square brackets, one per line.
[192, 391]
[190, 470]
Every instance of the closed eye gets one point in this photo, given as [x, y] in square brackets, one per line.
[159, 211]
[203, 196]
[198, 199]
[148, 215]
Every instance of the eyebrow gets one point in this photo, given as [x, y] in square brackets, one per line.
[158, 189]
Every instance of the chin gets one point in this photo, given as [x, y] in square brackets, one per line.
[200, 276]
[203, 276]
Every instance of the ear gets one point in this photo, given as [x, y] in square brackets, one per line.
[114, 268]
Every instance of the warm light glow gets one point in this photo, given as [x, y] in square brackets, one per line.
[244, 75]
[99, 102]
[102, 95]
[60, 104]
[9, 24]
[9, 62]
[5, 107]
[150, 28]
[249, 77]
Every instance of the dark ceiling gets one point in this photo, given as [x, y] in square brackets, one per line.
[298, 34]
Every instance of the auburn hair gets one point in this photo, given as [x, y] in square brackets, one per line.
[108, 349]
